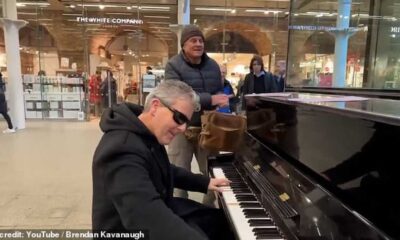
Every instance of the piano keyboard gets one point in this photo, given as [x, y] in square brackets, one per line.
[250, 219]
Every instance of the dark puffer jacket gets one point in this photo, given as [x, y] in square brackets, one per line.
[204, 78]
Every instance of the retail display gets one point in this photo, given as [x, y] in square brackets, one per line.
[57, 97]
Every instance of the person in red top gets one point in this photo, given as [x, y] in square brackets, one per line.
[94, 90]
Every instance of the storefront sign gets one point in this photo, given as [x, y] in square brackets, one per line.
[149, 82]
[312, 28]
[395, 29]
[104, 20]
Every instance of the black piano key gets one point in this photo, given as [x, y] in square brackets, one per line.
[229, 170]
[237, 191]
[248, 198]
[240, 188]
[261, 237]
[262, 230]
[260, 222]
[234, 181]
[250, 205]
[236, 178]
[255, 213]
[238, 185]
[233, 174]
[267, 233]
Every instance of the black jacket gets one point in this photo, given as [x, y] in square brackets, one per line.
[106, 88]
[3, 103]
[204, 78]
[133, 180]
[280, 83]
[269, 83]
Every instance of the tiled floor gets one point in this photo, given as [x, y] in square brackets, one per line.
[45, 175]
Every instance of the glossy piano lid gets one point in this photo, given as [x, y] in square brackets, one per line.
[381, 110]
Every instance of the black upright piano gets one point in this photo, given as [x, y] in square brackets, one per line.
[314, 166]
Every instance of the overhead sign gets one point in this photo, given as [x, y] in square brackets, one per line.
[105, 20]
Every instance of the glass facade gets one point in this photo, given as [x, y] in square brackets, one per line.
[64, 44]
[344, 43]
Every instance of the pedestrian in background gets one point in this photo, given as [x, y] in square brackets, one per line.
[228, 90]
[280, 77]
[4, 108]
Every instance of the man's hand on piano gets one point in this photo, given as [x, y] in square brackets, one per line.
[216, 184]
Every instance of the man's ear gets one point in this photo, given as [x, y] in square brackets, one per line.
[154, 105]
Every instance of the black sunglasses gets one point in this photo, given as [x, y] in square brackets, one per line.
[178, 117]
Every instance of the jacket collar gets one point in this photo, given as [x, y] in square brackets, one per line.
[260, 74]
[204, 58]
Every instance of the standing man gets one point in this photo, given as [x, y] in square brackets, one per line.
[193, 66]
[281, 76]
[133, 180]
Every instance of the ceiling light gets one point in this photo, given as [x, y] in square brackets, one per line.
[101, 7]
[23, 4]
[233, 11]
[119, 13]
[214, 9]
[159, 22]
[265, 11]
[98, 5]
[72, 6]
[129, 7]
[26, 13]
[255, 10]
[148, 16]
[155, 7]
[72, 14]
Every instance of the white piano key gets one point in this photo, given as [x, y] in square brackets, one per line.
[218, 173]
[239, 221]
[235, 211]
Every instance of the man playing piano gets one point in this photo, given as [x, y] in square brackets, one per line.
[133, 180]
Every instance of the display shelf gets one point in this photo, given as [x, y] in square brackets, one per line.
[54, 97]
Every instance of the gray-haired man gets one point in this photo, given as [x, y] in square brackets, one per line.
[133, 180]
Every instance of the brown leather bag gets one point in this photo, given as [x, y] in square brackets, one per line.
[192, 134]
[221, 132]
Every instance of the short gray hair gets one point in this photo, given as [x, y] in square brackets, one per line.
[171, 90]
